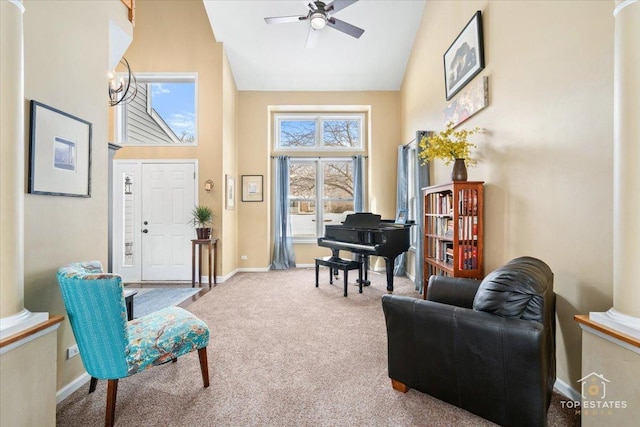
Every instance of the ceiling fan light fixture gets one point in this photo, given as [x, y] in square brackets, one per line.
[318, 20]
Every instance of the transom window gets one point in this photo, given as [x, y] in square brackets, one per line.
[164, 111]
[320, 192]
[319, 132]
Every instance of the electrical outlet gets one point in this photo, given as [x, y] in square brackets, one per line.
[72, 351]
[243, 257]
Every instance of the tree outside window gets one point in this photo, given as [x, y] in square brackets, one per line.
[319, 182]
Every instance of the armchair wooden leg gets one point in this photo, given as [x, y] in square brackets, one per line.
[112, 391]
[204, 365]
[397, 385]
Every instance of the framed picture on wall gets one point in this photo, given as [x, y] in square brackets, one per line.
[465, 57]
[59, 153]
[252, 188]
[230, 192]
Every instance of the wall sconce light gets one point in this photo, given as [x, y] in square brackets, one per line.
[127, 185]
[122, 90]
[208, 186]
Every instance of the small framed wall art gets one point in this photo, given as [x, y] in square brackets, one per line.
[465, 57]
[252, 188]
[59, 153]
[230, 192]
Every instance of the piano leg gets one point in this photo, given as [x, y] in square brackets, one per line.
[389, 265]
[335, 253]
[364, 259]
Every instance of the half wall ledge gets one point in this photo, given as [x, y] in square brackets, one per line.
[23, 336]
[628, 341]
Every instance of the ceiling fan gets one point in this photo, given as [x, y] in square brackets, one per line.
[320, 15]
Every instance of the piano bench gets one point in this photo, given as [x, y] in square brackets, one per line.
[345, 265]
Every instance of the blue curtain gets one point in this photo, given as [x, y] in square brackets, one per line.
[358, 183]
[422, 180]
[402, 194]
[283, 256]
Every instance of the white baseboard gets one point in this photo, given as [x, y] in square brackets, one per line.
[66, 391]
[305, 265]
[567, 391]
[252, 270]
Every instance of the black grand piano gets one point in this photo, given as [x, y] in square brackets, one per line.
[366, 234]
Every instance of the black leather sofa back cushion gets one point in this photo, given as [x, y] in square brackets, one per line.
[515, 290]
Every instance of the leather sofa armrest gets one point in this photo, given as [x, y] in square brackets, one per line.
[455, 291]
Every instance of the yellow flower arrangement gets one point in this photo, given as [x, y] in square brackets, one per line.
[448, 145]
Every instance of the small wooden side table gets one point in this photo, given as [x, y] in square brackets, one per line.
[211, 244]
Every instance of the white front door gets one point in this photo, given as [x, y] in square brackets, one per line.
[168, 197]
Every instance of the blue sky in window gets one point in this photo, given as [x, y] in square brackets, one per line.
[175, 103]
[297, 133]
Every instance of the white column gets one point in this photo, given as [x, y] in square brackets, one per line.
[625, 314]
[11, 158]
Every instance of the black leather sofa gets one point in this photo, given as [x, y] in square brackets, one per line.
[486, 346]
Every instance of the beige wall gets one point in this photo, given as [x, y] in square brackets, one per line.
[255, 148]
[546, 155]
[66, 46]
[619, 365]
[27, 395]
[175, 36]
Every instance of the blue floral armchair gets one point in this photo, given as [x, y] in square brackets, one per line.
[112, 347]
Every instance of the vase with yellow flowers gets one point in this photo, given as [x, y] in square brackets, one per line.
[451, 146]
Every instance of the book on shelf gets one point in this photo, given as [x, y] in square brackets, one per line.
[442, 203]
[468, 259]
[468, 227]
[468, 204]
[444, 227]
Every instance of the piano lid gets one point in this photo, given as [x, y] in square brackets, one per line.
[362, 220]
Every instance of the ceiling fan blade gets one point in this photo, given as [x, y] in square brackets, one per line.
[312, 5]
[312, 38]
[337, 5]
[346, 28]
[284, 19]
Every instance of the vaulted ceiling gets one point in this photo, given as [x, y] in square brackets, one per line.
[274, 57]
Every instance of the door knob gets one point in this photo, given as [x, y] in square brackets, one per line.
[145, 231]
[145, 223]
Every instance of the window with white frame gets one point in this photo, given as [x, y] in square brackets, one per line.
[164, 111]
[321, 188]
[320, 192]
[327, 132]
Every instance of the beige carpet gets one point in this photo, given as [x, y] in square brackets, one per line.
[282, 353]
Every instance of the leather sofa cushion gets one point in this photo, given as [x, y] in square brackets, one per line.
[515, 290]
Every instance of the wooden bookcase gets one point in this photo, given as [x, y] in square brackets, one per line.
[453, 230]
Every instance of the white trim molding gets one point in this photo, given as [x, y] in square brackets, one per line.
[622, 6]
[619, 321]
[610, 338]
[29, 338]
[20, 321]
[18, 4]
[567, 391]
[74, 385]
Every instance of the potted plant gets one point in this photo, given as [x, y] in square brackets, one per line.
[202, 218]
[451, 146]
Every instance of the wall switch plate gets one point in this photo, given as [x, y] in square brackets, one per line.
[72, 351]
[243, 257]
